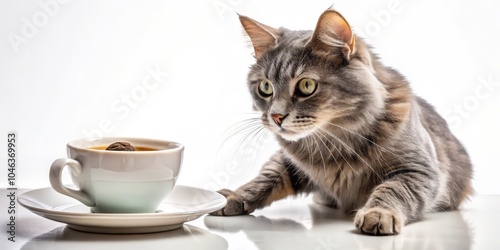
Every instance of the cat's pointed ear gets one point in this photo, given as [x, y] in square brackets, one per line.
[333, 32]
[263, 37]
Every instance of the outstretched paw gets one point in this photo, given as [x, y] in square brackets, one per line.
[378, 221]
[235, 204]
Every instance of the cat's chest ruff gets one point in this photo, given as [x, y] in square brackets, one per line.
[347, 182]
[333, 174]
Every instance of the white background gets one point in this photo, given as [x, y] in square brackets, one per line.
[72, 69]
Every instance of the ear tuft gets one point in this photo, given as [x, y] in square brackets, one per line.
[263, 37]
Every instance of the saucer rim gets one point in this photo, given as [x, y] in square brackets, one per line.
[166, 214]
[134, 222]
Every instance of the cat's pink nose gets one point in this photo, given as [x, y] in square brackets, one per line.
[278, 118]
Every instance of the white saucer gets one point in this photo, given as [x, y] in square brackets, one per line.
[182, 204]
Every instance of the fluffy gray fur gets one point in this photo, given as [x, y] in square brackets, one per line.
[361, 141]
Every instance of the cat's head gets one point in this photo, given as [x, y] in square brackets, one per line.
[305, 81]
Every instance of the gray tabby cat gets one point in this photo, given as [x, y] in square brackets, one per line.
[350, 129]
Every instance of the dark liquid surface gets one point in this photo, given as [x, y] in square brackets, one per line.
[138, 148]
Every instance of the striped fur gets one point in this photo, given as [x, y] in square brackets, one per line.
[362, 141]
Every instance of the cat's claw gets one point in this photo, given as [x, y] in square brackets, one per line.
[235, 204]
[378, 221]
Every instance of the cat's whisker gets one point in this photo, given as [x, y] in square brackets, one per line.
[309, 147]
[246, 127]
[238, 127]
[353, 151]
[378, 147]
[334, 158]
[320, 153]
[248, 138]
[331, 154]
[345, 160]
[257, 141]
[340, 153]
[381, 158]
[363, 137]
[240, 123]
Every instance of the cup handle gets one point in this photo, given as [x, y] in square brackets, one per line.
[56, 181]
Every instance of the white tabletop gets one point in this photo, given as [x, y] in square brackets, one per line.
[288, 224]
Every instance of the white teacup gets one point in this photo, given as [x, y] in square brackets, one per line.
[119, 181]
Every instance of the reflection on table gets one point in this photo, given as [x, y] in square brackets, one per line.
[288, 224]
[187, 237]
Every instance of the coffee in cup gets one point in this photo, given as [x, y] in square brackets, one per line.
[111, 181]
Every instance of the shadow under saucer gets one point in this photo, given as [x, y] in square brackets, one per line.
[186, 237]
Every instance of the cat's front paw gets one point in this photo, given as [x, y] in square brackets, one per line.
[378, 221]
[235, 204]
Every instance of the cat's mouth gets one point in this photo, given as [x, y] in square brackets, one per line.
[292, 135]
[293, 128]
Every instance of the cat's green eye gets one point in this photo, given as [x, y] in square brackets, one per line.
[266, 88]
[306, 87]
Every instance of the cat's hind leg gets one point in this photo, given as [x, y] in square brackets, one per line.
[276, 180]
